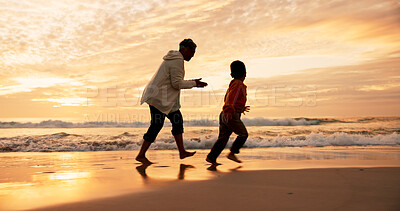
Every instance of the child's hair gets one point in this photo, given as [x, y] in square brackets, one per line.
[237, 69]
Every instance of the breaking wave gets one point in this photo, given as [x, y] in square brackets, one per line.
[61, 142]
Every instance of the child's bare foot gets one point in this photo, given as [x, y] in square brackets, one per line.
[186, 154]
[232, 156]
[144, 160]
[212, 162]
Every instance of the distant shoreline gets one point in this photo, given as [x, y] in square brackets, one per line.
[195, 123]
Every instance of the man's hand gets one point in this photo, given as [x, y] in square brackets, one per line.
[246, 109]
[200, 83]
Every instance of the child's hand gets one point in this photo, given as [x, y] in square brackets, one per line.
[246, 109]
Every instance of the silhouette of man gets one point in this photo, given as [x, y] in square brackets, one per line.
[162, 95]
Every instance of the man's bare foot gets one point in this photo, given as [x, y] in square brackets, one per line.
[212, 162]
[144, 160]
[186, 154]
[232, 156]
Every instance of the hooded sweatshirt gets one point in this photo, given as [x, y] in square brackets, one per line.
[163, 90]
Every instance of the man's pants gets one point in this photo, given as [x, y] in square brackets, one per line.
[157, 122]
[225, 130]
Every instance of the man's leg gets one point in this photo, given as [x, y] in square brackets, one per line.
[177, 131]
[182, 152]
[156, 124]
[223, 137]
[141, 157]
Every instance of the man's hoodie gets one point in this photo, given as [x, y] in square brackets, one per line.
[163, 90]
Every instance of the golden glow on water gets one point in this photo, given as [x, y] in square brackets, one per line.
[44, 191]
[69, 177]
[45, 179]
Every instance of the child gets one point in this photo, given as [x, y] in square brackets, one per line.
[229, 119]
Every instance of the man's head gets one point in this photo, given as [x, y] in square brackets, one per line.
[187, 48]
[238, 70]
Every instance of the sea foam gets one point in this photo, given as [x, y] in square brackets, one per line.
[60, 142]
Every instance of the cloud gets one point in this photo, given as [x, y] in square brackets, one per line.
[27, 84]
[372, 84]
[103, 44]
[65, 101]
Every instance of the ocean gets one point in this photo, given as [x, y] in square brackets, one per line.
[60, 136]
[56, 162]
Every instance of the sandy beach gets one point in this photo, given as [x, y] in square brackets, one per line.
[301, 178]
[308, 189]
[95, 169]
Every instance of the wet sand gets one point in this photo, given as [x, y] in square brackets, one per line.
[307, 189]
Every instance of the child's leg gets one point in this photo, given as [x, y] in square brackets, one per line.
[223, 137]
[237, 126]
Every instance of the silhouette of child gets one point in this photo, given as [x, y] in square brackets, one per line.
[229, 118]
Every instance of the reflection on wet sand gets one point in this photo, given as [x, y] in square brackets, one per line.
[181, 175]
[182, 169]
[213, 168]
[141, 169]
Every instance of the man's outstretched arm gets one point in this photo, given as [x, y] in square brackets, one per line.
[177, 78]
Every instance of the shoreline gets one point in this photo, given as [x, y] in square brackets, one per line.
[303, 189]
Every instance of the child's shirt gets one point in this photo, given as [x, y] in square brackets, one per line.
[235, 97]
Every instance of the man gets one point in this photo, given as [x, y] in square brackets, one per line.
[163, 93]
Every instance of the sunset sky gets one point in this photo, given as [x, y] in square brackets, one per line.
[89, 60]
